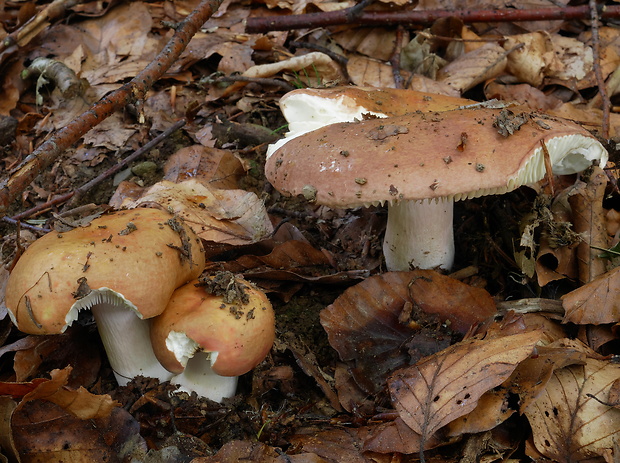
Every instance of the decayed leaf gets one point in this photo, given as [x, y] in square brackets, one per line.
[368, 72]
[474, 67]
[44, 432]
[492, 409]
[572, 420]
[80, 402]
[375, 42]
[233, 217]
[210, 166]
[337, 444]
[289, 261]
[596, 302]
[375, 328]
[586, 200]
[396, 436]
[314, 69]
[528, 62]
[245, 450]
[573, 61]
[440, 388]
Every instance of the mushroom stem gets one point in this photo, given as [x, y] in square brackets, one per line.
[127, 343]
[419, 234]
[199, 377]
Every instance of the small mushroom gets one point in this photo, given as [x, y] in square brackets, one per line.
[408, 169]
[207, 340]
[124, 267]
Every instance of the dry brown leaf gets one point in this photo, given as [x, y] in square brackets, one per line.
[571, 420]
[338, 444]
[313, 69]
[80, 402]
[233, 217]
[586, 201]
[44, 432]
[210, 166]
[555, 263]
[447, 385]
[573, 61]
[596, 302]
[390, 320]
[528, 62]
[396, 436]
[493, 409]
[375, 43]
[524, 94]
[245, 450]
[474, 67]
[291, 260]
[368, 72]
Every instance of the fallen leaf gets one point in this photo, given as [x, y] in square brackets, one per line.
[396, 436]
[369, 72]
[528, 57]
[44, 432]
[572, 420]
[210, 166]
[596, 302]
[374, 328]
[447, 385]
[233, 217]
[474, 67]
[338, 444]
[79, 402]
[586, 201]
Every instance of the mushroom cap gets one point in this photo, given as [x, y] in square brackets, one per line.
[454, 154]
[308, 104]
[241, 334]
[307, 109]
[140, 255]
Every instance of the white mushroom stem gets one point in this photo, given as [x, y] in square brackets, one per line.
[125, 336]
[419, 234]
[199, 377]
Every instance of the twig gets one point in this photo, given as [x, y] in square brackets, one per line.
[395, 58]
[27, 226]
[416, 17]
[100, 178]
[37, 23]
[600, 81]
[132, 91]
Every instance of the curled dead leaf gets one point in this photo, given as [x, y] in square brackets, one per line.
[447, 385]
[390, 320]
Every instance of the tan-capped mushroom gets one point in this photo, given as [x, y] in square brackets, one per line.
[213, 331]
[308, 109]
[421, 162]
[124, 266]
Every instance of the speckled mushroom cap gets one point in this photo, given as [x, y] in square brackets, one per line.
[143, 255]
[457, 154]
[317, 103]
[308, 109]
[241, 333]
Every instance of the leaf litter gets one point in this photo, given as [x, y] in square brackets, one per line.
[368, 365]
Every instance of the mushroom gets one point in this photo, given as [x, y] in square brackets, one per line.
[308, 109]
[421, 163]
[124, 267]
[212, 331]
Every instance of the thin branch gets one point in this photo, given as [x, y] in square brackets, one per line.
[100, 178]
[133, 91]
[600, 81]
[417, 17]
